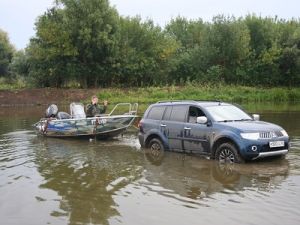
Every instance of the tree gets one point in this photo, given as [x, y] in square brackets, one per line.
[289, 60]
[191, 58]
[143, 54]
[88, 43]
[19, 65]
[76, 39]
[230, 39]
[6, 53]
[189, 33]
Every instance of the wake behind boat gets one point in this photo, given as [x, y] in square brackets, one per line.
[76, 124]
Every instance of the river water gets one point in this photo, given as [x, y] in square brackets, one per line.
[54, 181]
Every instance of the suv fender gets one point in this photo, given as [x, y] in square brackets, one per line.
[154, 134]
[224, 137]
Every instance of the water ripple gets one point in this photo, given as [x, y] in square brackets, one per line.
[114, 182]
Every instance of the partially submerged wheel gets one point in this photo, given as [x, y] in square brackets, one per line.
[227, 153]
[155, 149]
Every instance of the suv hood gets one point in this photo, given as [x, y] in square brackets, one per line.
[251, 126]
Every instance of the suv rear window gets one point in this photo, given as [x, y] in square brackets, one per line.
[156, 113]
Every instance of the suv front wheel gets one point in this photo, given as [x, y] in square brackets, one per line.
[227, 153]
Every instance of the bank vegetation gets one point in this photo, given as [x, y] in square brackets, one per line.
[87, 44]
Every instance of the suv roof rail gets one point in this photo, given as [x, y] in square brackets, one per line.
[199, 100]
[164, 101]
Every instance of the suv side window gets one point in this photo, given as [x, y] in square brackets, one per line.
[156, 113]
[178, 113]
[194, 112]
[168, 113]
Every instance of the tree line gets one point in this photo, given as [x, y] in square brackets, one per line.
[88, 44]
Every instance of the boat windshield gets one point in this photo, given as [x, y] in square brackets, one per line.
[227, 113]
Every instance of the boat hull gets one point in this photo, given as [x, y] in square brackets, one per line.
[96, 127]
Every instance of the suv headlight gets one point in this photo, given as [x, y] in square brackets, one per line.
[284, 133]
[250, 136]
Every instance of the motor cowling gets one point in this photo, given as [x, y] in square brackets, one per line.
[51, 111]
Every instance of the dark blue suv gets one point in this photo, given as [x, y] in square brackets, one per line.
[217, 129]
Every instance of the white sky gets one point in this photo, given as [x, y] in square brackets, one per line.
[17, 17]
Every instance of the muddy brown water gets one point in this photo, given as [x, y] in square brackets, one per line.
[55, 181]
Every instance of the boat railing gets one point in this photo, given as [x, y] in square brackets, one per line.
[132, 108]
[132, 112]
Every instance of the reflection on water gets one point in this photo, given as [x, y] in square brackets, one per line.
[56, 181]
[197, 178]
[82, 176]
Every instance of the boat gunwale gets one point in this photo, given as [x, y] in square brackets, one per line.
[88, 118]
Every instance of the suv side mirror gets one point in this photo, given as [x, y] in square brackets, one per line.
[202, 119]
[256, 117]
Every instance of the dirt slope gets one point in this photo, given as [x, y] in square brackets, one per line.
[44, 96]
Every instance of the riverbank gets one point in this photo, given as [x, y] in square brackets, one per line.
[44, 96]
[228, 93]
[148, 95]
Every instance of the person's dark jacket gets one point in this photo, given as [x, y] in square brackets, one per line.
[94, 110]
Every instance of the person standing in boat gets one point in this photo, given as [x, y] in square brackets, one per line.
[94, 109]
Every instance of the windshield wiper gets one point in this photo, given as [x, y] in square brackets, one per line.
[244, 120]
[235, 120]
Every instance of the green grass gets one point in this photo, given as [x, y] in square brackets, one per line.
[193, 91]
[228, 93]
[19, 83]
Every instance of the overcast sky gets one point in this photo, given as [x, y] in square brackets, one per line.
[17, 17]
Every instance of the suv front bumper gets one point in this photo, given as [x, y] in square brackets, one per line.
[263, 148]
[271, 153]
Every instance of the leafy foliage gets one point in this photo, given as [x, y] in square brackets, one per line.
[6, 53]
[87, 43]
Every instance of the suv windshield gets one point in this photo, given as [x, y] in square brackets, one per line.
[225, 113]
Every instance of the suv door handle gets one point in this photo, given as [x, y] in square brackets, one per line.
[187, 128]
[163, 125]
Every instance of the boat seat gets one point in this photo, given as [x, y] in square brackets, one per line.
[77, 110]
[63, 115]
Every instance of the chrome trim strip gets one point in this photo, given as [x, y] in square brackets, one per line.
[273, 153]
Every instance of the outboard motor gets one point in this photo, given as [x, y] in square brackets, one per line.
[77, 110]
[51, 111]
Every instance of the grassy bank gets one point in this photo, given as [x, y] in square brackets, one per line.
[18, 83]
[228, 93]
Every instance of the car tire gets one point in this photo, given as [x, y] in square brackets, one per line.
[228, 153]
[155, 152]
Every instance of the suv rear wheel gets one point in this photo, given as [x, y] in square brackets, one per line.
[155, 146]
[227, 153]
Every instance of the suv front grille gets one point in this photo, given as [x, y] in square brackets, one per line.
[269, 135]
[265, 135]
